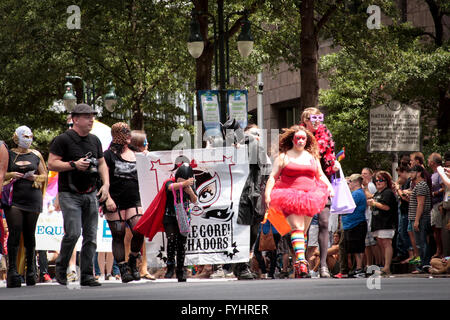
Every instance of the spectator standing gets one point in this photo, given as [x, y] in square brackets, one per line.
[355, 225]
[419, 216]
[78, 157]
[418, 159]
[372, 252]
[437, 194]
[384, 215]
[404, 246]
[27, 170]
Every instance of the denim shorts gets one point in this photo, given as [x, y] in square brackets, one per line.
[410, 226]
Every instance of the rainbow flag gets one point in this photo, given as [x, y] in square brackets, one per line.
[52, 187]
[341, 154]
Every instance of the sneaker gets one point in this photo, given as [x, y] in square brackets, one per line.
[46, 278]
[415, 261]
[314, 274]
[359, 273]
[263, 276]
[218, 273]
[228, 274]
[72, 276]
[324, 272]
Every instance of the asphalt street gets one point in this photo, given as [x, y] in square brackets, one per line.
[395, 288]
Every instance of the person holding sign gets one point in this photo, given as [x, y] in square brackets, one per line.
[181, 188]
[298, 187]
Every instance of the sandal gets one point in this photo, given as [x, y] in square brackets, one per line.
[148, 277]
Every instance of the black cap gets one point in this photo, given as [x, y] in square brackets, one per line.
[83, 108]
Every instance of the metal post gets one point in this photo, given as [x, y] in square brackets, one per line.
[222, 86]
[260, 105]
[394, 166]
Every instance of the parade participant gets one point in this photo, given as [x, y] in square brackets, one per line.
[384, 216]
[161, 216]
[251, 202]
[28, 172]
[312, 118]
[123, 207]
[139, 143]
[4, 157]
[78, 157]
[298, 187]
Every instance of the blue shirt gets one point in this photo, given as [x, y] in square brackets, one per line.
[351, 220]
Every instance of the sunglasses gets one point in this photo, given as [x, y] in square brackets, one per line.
[380, 180]
[316, 118]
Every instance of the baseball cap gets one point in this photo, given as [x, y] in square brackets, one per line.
[83, 108]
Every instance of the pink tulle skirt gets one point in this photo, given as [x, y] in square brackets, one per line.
[305, 199]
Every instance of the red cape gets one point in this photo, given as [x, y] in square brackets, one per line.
[152, 221]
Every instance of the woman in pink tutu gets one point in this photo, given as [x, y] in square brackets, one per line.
[298, 187]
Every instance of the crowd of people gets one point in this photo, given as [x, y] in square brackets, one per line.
[403, 222]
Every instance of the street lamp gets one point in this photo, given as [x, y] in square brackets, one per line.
[110, 99]
[196, 46]
[245, 40]
[195, 41]
[69, 98]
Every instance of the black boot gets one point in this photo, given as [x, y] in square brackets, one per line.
[31, 268]
[13, 279]
[132, 263]
[125, 273]
[170, 271]
[181, 274]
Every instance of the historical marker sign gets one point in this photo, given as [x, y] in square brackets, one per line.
[394, 127]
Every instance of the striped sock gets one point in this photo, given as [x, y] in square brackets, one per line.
[298, 243]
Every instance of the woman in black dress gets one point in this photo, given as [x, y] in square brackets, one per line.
[28, 172]
[123, 207]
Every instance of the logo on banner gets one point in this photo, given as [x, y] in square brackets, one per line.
[212, 227]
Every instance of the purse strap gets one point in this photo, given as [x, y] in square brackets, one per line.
[175, 196]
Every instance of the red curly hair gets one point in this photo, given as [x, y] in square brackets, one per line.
[288, 135]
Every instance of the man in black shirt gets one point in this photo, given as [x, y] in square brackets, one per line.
[78, 157]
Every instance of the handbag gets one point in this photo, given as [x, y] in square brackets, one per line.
[184, 221]
[446, 202]
[342, 202]
[7, 194]
[266, 241]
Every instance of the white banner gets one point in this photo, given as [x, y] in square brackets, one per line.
[220, 175]
[50, 231]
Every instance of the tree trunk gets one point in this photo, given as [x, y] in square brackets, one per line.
[137, 118]
[443, 119]
[309, 78]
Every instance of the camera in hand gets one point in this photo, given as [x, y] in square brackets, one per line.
[93, 163]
